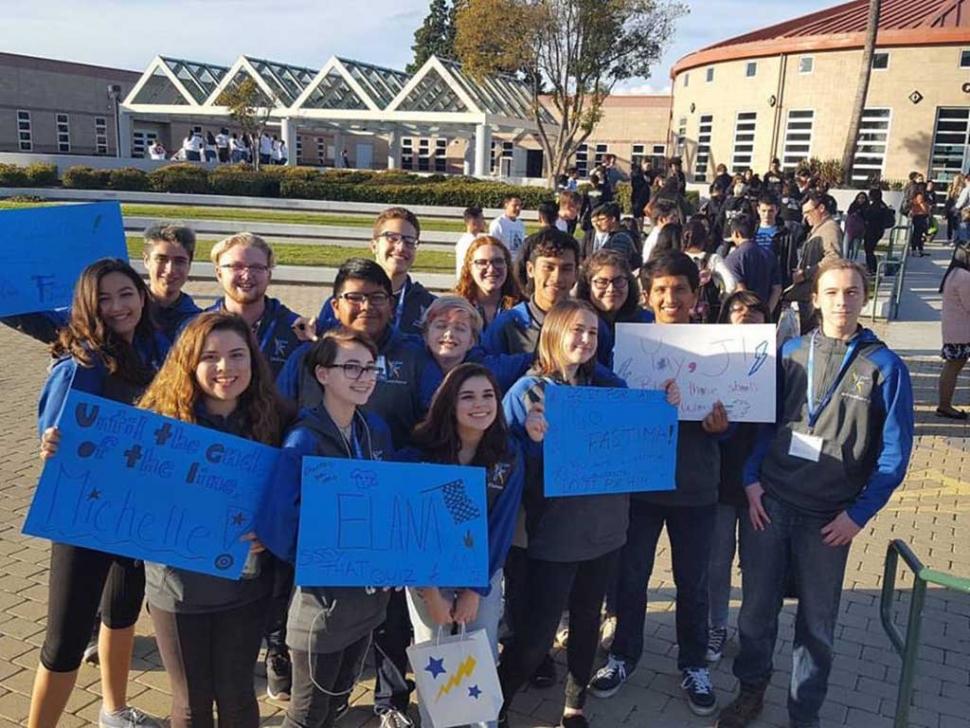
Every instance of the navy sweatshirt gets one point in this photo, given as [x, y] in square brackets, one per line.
[274, 332]
[507, 369]
[406, 315]
[867, 428]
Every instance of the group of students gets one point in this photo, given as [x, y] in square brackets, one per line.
[388, 371]
[225, 148]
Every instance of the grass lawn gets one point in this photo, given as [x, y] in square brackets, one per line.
[317, 255]
[243, 214]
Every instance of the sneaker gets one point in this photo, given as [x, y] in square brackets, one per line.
[716, 637]
[545, 675]
[700, 692]
[394, 718]
[127, 717]
[607, 632]
[279, 676]
[744, 710]
[342, 708]
[576, 720]
[610, 677]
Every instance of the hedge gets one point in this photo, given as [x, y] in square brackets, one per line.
[41, 174]
[452, 194]
[86, 178]
[12, 176]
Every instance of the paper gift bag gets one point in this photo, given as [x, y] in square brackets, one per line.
[456, 679]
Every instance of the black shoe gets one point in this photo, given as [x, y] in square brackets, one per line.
[577, 720]
[700, 692]
[545, 675]
[342, 708]
[745, 709]
[279, 676]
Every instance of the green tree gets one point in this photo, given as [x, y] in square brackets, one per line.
[436, 36]
[571, 52]
[249, 108]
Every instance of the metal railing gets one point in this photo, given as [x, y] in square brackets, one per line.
[892, 269]
[907, 646]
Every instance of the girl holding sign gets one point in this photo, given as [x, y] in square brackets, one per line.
[329, 628]
[209, 629]
[574, 542]
[110, 349]
[466, 427]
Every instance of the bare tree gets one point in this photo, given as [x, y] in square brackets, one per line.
[858, 108]
[249, 108]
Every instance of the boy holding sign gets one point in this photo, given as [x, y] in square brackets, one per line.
[840, 447]
[670, 284]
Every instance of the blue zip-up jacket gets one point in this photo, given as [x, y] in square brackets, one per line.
[171, 319]
[504, 482]
[515, 331]
[395, 398]
[325, 619]
[867, 429]
[274, 332]
[507, 369]
[579, 528]
[67, 373]
[607, 334]
[417, 298]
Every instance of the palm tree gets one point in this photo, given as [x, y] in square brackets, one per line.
[872, 28]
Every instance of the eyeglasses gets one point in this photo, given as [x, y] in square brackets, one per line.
[484, 263]
[355, 371]
[620, 283]
[356, 298]
[409, 241]
[240, 268]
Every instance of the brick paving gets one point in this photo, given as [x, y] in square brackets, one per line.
[930, 512]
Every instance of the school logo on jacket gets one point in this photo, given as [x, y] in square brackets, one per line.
[279, 348]
[388, 369]
[497, 476]
[858, 388]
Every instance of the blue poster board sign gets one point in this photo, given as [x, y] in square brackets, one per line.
[45, 249]
[373, 523]
[603, 440]
[131, 482]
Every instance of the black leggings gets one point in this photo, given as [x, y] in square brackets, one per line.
[80, 580]
[275, 630]
[209, 659]
[921, 224]
[552, 587]
[335, 672]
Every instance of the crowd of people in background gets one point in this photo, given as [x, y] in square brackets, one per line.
[224, 148]
[386, 367]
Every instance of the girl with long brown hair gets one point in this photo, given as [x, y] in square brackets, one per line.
[465, 426]
[486, 279]
[110, 349]
[573, 543]
[209, 629]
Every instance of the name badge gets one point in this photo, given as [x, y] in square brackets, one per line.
[806, 447]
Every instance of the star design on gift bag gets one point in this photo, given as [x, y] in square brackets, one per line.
[436, 667]
[474, 692]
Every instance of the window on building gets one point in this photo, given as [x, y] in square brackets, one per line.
[751, 69]
[407, 153]
[197, 129]
[637, 153]
[582, 160]
[502, 150]
[441, 155]
[424, 155]
[745, 127]
[659, 149]
[880, 61]
[806, 64]
[951, 144]
[686, 80]
[600, 151]
[322, 151]
[681, 140]
[871, 145]
[703, 156]
[798, 137]
[710, 74]
[140, 141]
[100, 135]
[24, 131]
[299, 148]
[964, 59]
[63, 133]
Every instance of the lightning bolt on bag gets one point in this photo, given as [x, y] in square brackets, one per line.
[456, 678]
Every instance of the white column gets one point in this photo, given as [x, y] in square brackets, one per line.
[123, 150]
[288, 134]
[338, 147]
[468, 159]
[483, 138]
[393, 149]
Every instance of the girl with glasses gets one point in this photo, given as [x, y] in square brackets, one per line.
[329, 628]
[466, 426]
[486, 279]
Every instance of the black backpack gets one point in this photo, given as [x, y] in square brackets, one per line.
[708, 306]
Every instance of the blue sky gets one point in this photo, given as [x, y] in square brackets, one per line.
[129, 33]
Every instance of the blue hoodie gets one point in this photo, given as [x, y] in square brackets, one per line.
[504, 482]
[171, 319]
[274, 332]
[507, 369]
[867, 428]
[407, 314]
[607, 334]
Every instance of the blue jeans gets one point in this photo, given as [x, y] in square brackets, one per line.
[721, 561]
[690, 529]
[792, 540]
[489, 613]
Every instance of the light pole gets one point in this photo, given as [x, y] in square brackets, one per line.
[114, 93]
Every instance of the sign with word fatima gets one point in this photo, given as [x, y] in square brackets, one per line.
[45, 249]
[731, 363]
[131, 482]
[602, 440]
[374, 523]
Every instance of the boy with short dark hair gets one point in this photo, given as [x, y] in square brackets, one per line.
[474, 226]
[507, 227]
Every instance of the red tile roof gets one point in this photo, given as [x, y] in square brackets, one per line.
[901, 22]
